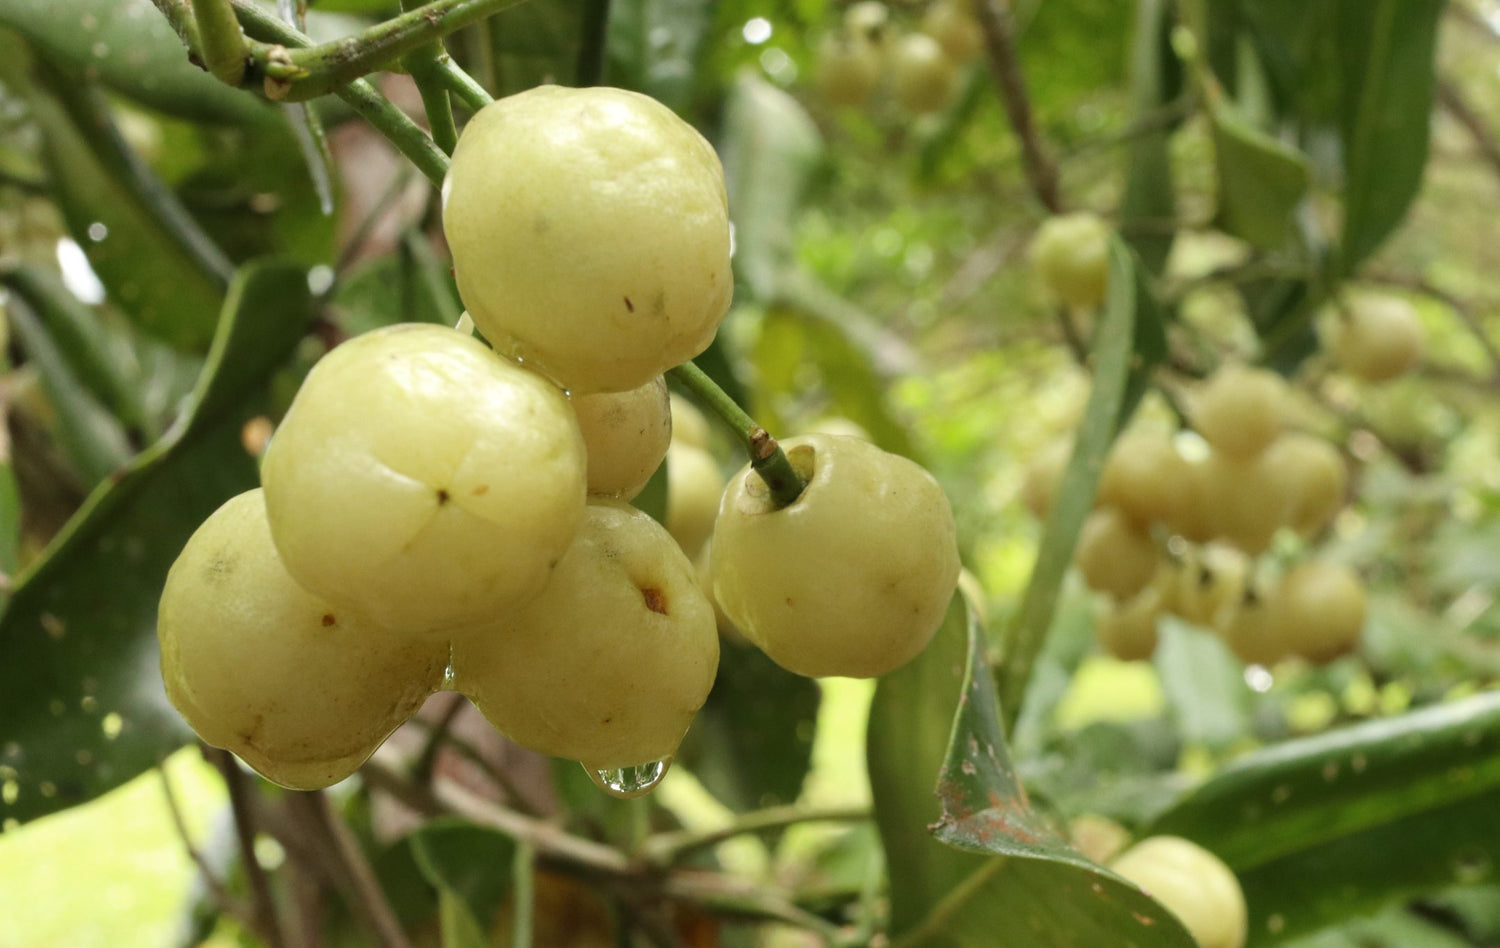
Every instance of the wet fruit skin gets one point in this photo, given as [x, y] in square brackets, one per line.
[610, 663]
[1070, 253]
[853, 577]
[590, 234]
[301, 690]
[1193, 883]
[625, 435]
[420, 478]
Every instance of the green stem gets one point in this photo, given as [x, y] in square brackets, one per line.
[461, 84]
[523, 883]
[221, 41]
[310, 71]
[766, 456]
[422, 64]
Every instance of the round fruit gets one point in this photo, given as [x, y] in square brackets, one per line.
[1246, 499]
[1252, 627]
[848, 69]
[925, 78]
[689, 426]
[952, 24]
[301, 690]
[1071, 255]
[854, 576]
[610, 663]
[1378, 339]
[1209, 581]
[869, 20]
[590, 235]
[420, 478]
[703, 568]
[1193, 883]
[1239, 410]
[694, 488]
[626, 435]
[1114, 555]
[1315, 476]
[838, 425]
[1127, 630]
[1043, 473]
[1322, 610]
[1144, 477]
[1098, 838]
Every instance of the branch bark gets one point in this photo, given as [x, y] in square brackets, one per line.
[999, 40]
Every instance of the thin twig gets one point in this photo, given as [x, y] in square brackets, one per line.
[426, 763]
[523, 886]
[461, 84]
[227, 903]
[223, 43]
[371, 903]
[263, 909]
[766, 456]
[367, 224]
[1456, 105]
[999, 40]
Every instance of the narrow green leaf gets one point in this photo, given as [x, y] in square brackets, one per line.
[129, 47]
[1148, 208]
[470, 866]
[995, 872]
[1204, 685]
[80, 694]
[1261, 180]
[1386, 50]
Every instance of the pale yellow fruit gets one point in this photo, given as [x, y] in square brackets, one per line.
[703, 568]
[301, 690]
[1210, 580]
[850, 579]
[838, 425]
[423, 480]
[689, 426]
[694, 488]
[1379, 339]
[1127, 630]
[1316, 477]
[1252, 627]
[870, 20]
[590, 234]
[1193, 883]
[1144, 477]
[1246, 500]
[952, 23]
[1239, 410]
[847, 70]
[924, 78]
[610, 663]
[1070, 253]
[1043, 473]
[1322, 610]
[625, 435]
[1098, 838]
[1192, 518]
[1114, 555]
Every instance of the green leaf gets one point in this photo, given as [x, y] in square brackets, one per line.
[1261, 180]
[1148, 208]
[80, 691]
[129, 47]
[1204, 685]
[535, 42]
[652, 500]
[1127, 343]
[995, 872]
[770, 149]
[751, 744]
[1386, 50]
[470, 866]
[654, 47]
[147, 272]
[1335, 825]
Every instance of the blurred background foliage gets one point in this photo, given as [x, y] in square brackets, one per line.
[175, 255]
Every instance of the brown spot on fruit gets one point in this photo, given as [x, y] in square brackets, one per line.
[442, 496]
[481, 490]
[629, 306]
[655, 599]
[329, 620]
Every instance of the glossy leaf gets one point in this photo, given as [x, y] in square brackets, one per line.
[1386, 50]
[1338, 824]
[129, 47]
[994, 872]
[82, 707]
[470, 866]
[1261, 181]
[654, 46]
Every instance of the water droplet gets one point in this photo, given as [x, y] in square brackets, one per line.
[97, 231]
[626, 782]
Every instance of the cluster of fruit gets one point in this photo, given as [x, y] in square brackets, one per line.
[437, 513]
[922, 66]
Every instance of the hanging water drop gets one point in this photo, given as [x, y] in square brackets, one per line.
[627, 782]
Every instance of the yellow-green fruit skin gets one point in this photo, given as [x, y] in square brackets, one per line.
[925, 78]
[590, 234]
[1253, 630]
[853, 577]
[848, 69]
[952, 24]
[689, 426]
[1127, 630]
[610, 663]
[1208, 582]
[1315, 476]
[1321, 607]
[1043, 473]
[423, 480]
[301, 690]
[625, 435]
[1114, 555]
[1144, 477]
[1381, 339]
[1193, 883]
[1246, 499]
[1239, 410]
[1070, 253]
[694, 489]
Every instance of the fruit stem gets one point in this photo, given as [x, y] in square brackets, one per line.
[766, 457]
[222, 42]
[422, 62]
